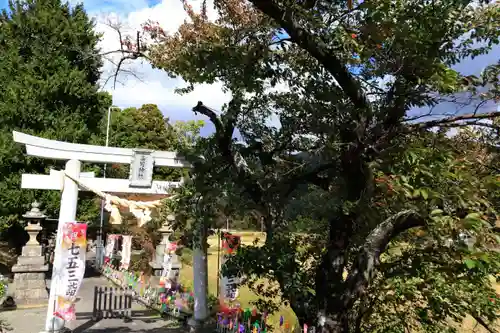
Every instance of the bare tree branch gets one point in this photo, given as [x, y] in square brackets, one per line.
[128, 51]
[470, 123]
[122, 70]
[280, 41]
[453, 121]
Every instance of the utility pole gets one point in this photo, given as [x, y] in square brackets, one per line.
[100, 240]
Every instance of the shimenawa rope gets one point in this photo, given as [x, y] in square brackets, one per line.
[140, 209]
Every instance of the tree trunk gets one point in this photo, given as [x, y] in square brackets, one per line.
[330, 285]
[268, 224]
[329, 277]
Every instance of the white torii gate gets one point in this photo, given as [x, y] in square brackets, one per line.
[141, 171]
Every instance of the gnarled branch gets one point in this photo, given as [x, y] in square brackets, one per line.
[311, 176]
[210, 114]
[369, 256]
[223, 134]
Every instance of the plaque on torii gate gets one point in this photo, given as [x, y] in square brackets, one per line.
[141, 171]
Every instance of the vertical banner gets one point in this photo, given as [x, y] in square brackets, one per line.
[110, 246]
[229, 284]
[72, 268]
[170, 249]
[126, 252]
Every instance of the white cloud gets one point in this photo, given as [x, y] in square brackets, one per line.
[149, 85]
[138, 93]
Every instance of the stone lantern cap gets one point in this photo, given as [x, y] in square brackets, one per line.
[35, 213]
[167, 225]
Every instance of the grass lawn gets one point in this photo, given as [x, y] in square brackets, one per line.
[246, 296]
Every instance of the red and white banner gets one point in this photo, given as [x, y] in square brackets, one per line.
[126, 251]
[110, 246]
[229, 284]
[72, 267]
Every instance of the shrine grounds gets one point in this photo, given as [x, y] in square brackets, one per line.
[32, 320]
[246, 296]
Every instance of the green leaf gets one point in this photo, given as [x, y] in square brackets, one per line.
[473, 216]
[413, 157]
[470, 263]
[485, 257]
[436, 212]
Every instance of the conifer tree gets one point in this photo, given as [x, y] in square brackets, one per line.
[50, 67]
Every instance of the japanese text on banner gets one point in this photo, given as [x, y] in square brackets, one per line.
[73, 249]
[229, 284]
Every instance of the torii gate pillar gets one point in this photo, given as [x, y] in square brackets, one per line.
[67, 213]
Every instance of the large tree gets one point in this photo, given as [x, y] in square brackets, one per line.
[49, 88]
[341, 78]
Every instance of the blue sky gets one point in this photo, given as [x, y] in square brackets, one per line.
[153, 86]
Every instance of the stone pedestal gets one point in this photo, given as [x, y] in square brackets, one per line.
[176, 268]
[157, 268]
[29, 286]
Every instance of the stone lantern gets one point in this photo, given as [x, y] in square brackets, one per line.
[175, 264]
[29, 273]
[165, 231]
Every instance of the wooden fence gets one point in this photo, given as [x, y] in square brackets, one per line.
[112, 303]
